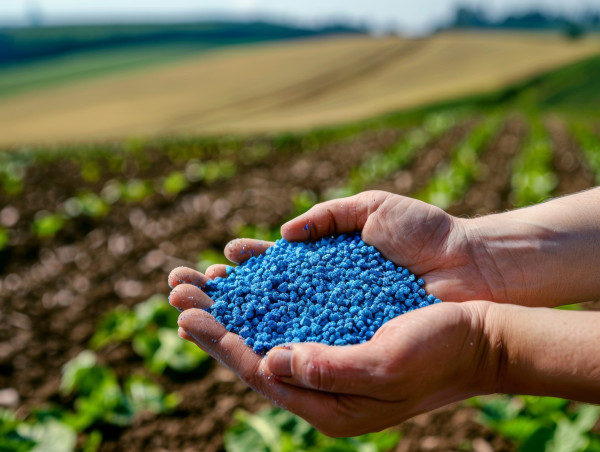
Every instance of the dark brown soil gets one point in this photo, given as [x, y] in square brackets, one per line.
[417, 173]
[491, 191]
[52, 293]
[573, 173]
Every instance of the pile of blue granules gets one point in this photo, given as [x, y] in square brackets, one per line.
[337, 291]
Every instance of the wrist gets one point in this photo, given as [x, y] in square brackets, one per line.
[545, 352]
[519, 259]
[488, 353]
[543, 255]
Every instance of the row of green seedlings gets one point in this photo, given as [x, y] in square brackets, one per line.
[373, 169]
[589, 143]
[98, 397]
[532, 423]
[86, 203]
[541, 424]
[533, 178]
[276, 430]
[398, 156]
[93, 160]
[452, 180]
[47, 224]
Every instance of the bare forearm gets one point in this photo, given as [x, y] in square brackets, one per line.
[544, 255]
[546, 352]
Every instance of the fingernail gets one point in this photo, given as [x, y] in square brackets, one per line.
[280, 361]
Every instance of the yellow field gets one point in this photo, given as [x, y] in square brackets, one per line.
[282, 86]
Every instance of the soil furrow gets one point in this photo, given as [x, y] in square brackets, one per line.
[126, 259]
[569, 164]
[491, 191]
[416, 174]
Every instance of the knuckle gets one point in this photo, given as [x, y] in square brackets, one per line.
[317, 374]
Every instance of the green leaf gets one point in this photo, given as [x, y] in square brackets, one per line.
[47, 225]
[92, 442]
[12, 436]
[4, 238]
[179, 355]
[157, 311]
[175, 183]
[518, 429]
[276, 430]
[542, 406]
[144, 395]
[209, 257]
[567, 438]
[73, 369]
[538, 440]
[587, 417]
[116, 326]
[51, 436]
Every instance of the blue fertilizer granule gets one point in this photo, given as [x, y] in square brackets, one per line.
[337, 291]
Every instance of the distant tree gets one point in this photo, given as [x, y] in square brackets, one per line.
[468, 17]
[573, 30]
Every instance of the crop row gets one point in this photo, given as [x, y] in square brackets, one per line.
[148, 339]
[589, 142]
[452, 179]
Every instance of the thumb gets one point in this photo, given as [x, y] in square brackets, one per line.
[339, 369]
[338, 216]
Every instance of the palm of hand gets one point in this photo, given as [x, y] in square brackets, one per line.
[421, 237]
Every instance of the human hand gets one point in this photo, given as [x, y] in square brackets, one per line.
[446, 257]
[437, 247]
[432, 244]
[414, 363]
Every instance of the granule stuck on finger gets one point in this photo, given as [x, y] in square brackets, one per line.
[336, 291]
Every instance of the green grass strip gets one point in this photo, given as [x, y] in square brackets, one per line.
[533, 177]
[451, 181]
[589, 142]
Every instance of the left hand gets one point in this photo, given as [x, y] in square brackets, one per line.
[414, 363]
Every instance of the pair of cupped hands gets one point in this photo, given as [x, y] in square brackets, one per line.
[414, 363]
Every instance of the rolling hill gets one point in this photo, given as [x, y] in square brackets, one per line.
[283, 86]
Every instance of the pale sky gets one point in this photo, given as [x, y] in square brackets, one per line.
[408, 16]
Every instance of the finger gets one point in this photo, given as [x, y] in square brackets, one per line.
[202, 329]
[185, 275]
[337, 216]
[343, 370]
[240, 250]
[216, 271]
[183, 335]
[186, 296]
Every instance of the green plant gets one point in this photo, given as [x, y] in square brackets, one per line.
[209, 257]
[12, 172]
[276, 430]
[12, 436]
[4, 238]
[259, 232]
[99, 398]
[47, 225]
[451, 181]
[303, 201]
[91, 171]
[136, 190]
[174, 183]
[151, 327]
[396, 157]
[589, 142]
[86, 203]
[543, 424]
[533, 177]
